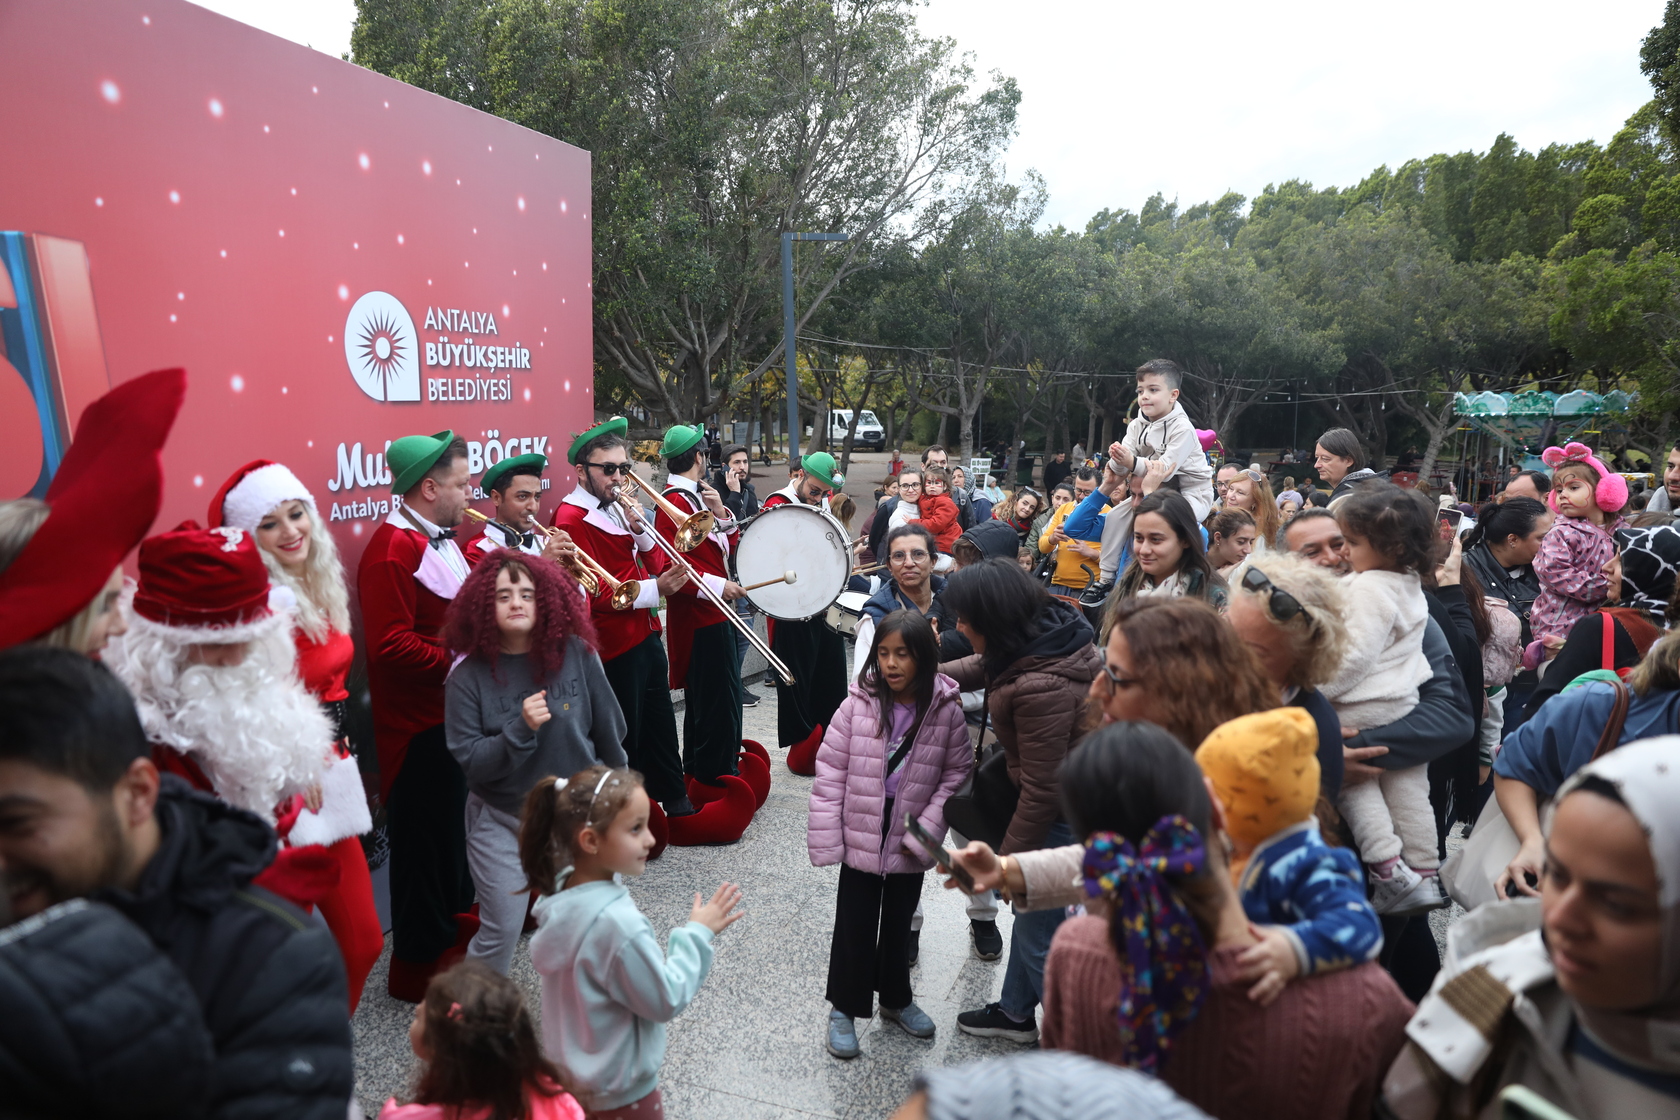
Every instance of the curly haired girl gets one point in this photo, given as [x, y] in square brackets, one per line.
[479, 1055]
[527, 697]
[1392, 542]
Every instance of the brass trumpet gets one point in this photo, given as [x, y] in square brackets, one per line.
[591, 574]
[692, 528]
[584, 568]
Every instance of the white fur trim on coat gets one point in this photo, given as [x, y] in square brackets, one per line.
[260, 491]
[344, 808]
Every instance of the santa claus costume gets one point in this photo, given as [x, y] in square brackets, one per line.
[269, 502]
[409, 572]
[209, 659]
[60, 587]
[815, 654]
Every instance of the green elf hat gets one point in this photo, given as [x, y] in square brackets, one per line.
[617, 426]
[412, 456]
[678, 439]
[820, 466]
[533, 463]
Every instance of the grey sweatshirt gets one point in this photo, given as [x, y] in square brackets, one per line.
[500, 754]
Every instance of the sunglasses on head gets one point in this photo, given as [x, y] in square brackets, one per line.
[1281, 603]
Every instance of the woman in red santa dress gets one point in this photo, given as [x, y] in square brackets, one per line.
[268, 501]
[210, 661]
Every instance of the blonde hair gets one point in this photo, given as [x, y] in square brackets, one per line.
[323, 599]
[1268, 519]
[1659, 671]
[20, 520]
[1319, 641]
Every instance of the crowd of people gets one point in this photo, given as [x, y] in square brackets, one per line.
[1208, 742]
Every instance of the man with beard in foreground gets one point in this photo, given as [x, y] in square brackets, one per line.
[85, 814]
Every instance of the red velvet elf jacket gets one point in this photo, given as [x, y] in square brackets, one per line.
[689, 609]
[602, 534]
[406, 583]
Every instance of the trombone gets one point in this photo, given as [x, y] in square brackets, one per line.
[676, 555]
[692, 528]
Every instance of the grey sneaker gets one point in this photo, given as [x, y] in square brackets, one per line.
[1406, 892]
[913, 1019]
[842, 1035]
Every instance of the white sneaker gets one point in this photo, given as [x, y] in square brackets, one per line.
[1406, 892]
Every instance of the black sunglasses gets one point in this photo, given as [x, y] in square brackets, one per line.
[1281, 603]
[610, 469]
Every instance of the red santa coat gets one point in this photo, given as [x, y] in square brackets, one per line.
[405, 594]
[689, 609]
[624, 556]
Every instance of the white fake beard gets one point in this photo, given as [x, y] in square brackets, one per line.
[255, 731]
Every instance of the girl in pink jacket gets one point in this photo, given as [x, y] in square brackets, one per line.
[897, 745]
[1576, 565]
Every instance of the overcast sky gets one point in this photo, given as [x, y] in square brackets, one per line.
[1122, 99]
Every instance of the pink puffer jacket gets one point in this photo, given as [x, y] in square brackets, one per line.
[850, 791]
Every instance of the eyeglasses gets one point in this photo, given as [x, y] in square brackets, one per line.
[909, 486]
[918, 555]
[1115, 681]
[1281, 603]
[610, 469]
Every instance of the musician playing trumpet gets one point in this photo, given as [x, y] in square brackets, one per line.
[515, 489]
[619, 538]
[701, 639]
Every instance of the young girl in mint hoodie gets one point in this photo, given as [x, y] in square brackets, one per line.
[898, 744]
[607, 988]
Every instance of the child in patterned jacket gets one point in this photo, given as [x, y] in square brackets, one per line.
[1308, 896]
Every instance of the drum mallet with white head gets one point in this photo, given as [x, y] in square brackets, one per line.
[785, 577]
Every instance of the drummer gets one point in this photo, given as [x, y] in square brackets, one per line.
[815, 654]
[911, 585]
[699, 636]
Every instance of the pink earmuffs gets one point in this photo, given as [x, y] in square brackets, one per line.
[1611, 493]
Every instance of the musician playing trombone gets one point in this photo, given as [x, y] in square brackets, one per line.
[515, 489]
[700, 639]
[618, 537]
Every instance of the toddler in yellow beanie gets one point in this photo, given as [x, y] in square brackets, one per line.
[1310, 897]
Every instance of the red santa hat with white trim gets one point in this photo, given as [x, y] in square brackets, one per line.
[252, 491]
[204, 585]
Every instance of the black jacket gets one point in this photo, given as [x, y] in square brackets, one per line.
[96, 1021]
[1519, 587]
[270, 985]
[743, 504]
[995, 539]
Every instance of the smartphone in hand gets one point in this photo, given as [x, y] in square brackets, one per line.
[942, 856]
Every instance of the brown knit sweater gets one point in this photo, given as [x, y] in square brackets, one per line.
[1318, 1052]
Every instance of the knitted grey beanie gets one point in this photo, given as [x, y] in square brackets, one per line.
[1049, 1085]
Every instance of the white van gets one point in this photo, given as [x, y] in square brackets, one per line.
[870, 435]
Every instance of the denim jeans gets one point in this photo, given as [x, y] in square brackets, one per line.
[1029, 945]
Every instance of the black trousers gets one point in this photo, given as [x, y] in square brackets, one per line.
[712, 704]
[427, 826]
[871, 948]
[641, 679]
[816, 656]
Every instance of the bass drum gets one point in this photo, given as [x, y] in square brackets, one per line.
[799, 539]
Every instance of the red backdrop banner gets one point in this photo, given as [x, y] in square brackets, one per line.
[336, 258]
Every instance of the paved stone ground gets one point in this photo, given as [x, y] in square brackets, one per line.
[751, 1044]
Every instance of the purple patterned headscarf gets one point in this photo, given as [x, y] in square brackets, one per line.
[1163, 961]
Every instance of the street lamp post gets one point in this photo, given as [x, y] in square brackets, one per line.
[788, 348]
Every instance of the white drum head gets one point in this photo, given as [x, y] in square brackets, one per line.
[800, 539]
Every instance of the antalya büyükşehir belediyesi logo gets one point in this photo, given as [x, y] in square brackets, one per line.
[382, 349]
